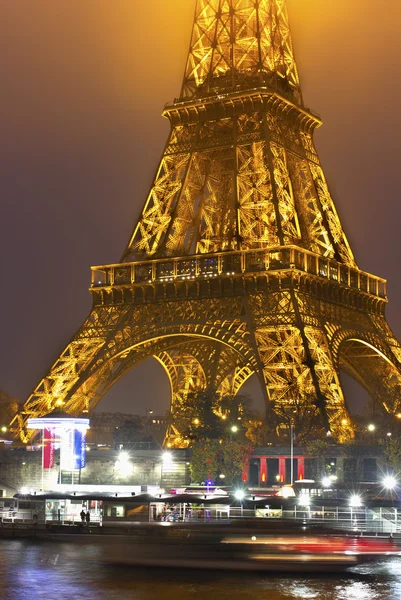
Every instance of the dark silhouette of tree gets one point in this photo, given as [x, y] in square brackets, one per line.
[212, 459]
[130, 430]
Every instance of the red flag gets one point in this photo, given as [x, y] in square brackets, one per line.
[48, 448]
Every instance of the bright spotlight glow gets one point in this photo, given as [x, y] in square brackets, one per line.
[239, 494]
[123, 464]
[167, 459]
[371, 427]
[355, 501]
[234, 428]
[389, 482]
[287, 491]
[24, 490]
[326, 482]
[304, 500]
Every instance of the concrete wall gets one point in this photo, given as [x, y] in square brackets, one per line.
[20, 468]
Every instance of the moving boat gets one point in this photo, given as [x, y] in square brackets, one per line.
[292, 553]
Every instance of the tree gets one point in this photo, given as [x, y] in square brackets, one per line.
[318, 450]
[392, 451]
[301, 412]
[8, 408]
[131, 430]
[205, 461]
[258, 432]
[206, 414]
[235, 455]
[212, 458]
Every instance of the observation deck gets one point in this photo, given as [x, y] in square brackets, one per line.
[234, 264]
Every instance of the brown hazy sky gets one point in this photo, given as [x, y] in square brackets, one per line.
[83, 83]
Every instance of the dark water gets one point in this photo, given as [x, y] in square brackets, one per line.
[57, 571]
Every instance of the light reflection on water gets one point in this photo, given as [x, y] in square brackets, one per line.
[57, 571]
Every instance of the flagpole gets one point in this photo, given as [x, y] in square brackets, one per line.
[43, 455]
[292, 451]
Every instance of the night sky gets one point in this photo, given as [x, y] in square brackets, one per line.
[83, 83]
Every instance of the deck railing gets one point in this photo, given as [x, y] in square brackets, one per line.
[231, 264]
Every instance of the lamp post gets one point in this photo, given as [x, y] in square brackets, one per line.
[292, 450]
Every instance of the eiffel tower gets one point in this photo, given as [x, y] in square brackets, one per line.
[238, 264]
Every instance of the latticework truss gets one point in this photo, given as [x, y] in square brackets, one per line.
[238, 264]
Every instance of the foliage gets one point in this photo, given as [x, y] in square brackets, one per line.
[131, 430]
[258, 432]
[302, 413]
[392, 451]
[317, 448]
[205, 415]
[8, 408]
[205, 460]
[210, 459]
[234, 456]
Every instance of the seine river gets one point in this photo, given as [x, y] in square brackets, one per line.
[57, 571]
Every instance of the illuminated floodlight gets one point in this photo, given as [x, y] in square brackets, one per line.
[24, 491]
[167, 459]
[304, 500]
[389, 482]
[326, 482]
[239, 494]
[371, 427]
[123, 464]
[355, 501]
[4, 429]
[234, 428]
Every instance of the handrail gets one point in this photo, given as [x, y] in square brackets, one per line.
[232, 263]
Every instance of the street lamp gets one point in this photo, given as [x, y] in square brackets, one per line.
[326, 482]
[355, 501]
[167, 459]
[389, 482]
[371, 427]
[233, 429]
[240, 495]
[123, 464]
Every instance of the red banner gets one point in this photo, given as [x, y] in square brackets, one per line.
[48, 448]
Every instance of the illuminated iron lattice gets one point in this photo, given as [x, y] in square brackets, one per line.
[238, 263]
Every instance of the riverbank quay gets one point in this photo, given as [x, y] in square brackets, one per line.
[165, 532]
[358, 514]
[246, 545]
